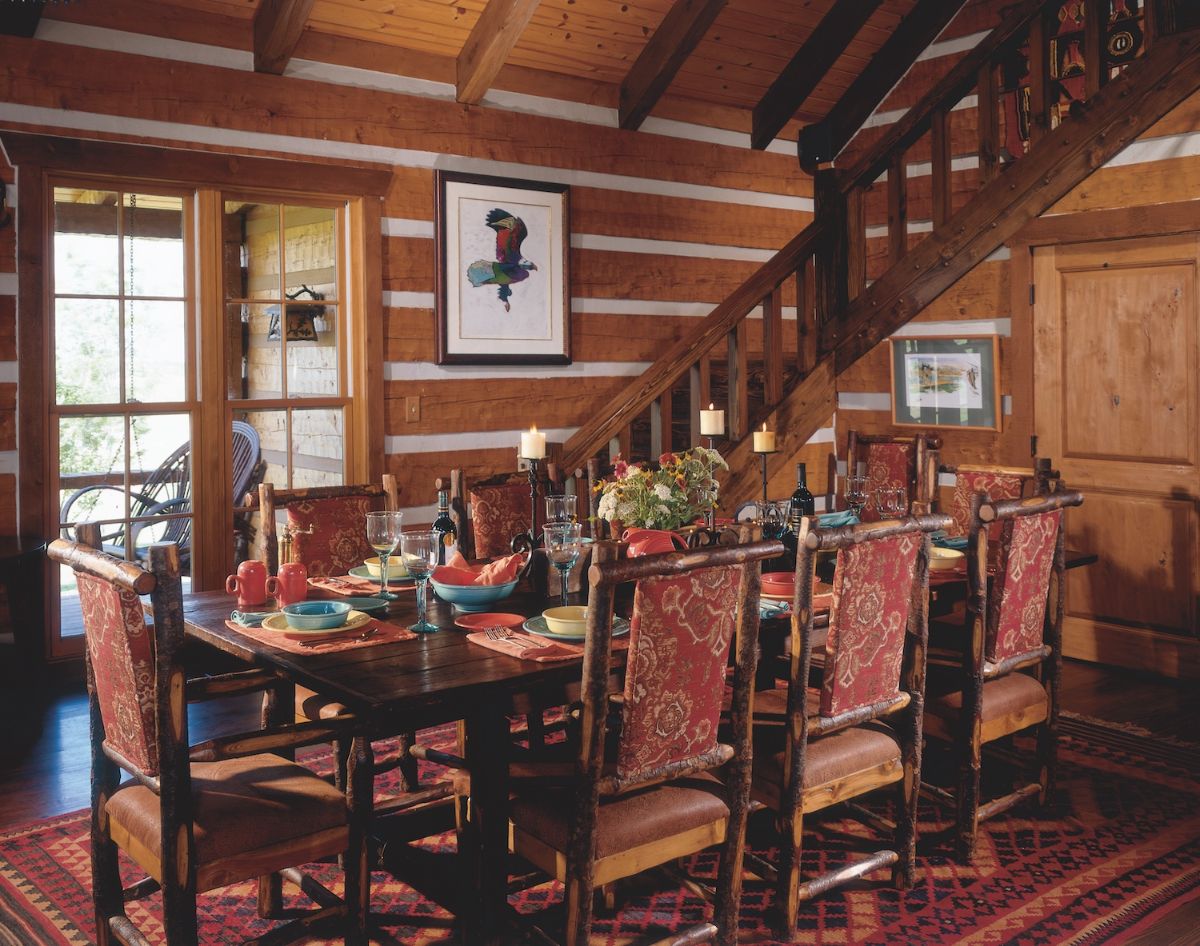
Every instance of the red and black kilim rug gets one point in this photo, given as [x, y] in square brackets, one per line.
[1118, 849]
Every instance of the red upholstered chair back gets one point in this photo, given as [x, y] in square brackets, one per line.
[872, 594]
[675, 678]
[120, 648]
[498, 513]
[330, 535]
[891, 466]
[997, 484]
[1017, 603]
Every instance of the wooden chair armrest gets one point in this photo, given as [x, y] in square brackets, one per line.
[213, 687]
[288, 736]
[438, 757]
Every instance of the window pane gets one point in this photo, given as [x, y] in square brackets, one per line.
[257, 227]
[155, 351]
[91, 463]
[153, 252]
[310, 251]
[312, 351]
[86, 260]
[253, 361]
[273, 442]
[318, 447]
[87, 359]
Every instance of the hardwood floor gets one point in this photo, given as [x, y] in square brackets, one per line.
[44, 750]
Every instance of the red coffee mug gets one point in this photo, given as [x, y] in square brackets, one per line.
[250, 584]
[652, 541]
[290, 585]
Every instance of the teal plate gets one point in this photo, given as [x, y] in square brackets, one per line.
[360, 571]
[537, 625]
[373, 606]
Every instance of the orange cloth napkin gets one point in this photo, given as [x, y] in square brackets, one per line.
[352, 585]
[458, 571]
[542, 650]
[385, 633]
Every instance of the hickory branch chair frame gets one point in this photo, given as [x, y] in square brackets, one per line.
[998, 482]
[882, 456]
[1013, 626]
[204, 816]
[863, 731]
[651, 800]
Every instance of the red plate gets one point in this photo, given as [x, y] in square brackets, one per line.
[478, 621]
[778, 583]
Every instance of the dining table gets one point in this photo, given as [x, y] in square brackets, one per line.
[401, 686]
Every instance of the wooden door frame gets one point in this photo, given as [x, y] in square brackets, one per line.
[37, 157]
[1136, 648]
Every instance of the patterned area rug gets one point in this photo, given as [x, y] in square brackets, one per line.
[1119, 848]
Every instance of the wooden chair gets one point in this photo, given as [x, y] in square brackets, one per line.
[326, 524]
[655, 798]
[896, 462]
[202, 817]
[862, 730]
[1013, 627]
[499, 510]
[998, 482]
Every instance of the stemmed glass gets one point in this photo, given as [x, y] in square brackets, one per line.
[560, 508]
[856, 494]
[383, 532]
[562, 548]
[418, 552]
[891, 502]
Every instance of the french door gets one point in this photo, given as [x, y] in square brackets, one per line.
[199, 346]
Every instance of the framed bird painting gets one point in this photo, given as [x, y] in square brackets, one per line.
[503, 289]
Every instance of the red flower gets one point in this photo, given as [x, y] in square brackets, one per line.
[666, 459]
[620, 468]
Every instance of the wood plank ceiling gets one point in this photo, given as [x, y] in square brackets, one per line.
[577, 50]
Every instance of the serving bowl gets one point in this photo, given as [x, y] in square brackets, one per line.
[570, 620]
[473, 597]
[316, 615]
[945, 559]
[396, 567]
[779, 583]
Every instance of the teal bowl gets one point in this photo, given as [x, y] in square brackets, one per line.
[473, 597]
[316, 615]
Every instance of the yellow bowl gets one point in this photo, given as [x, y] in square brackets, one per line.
[945, 559]
[569, 620]
[396, 567]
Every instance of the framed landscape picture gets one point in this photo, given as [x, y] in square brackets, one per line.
[502, 284]
[940, 381]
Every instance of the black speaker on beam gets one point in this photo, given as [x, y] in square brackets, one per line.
[815, 144]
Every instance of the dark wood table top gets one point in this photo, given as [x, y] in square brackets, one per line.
[425, 681]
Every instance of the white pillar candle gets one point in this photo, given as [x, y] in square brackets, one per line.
[764, 440]
[533, 444]
[712, 423]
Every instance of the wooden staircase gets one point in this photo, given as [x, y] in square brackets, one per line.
[839, 317]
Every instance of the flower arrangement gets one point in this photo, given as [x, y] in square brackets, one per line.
[674, 495]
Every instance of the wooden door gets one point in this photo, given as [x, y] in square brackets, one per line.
[1116, 370]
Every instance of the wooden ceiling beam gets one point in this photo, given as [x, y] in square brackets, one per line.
[277, 28]
[493, 37]
[661, 58]
[808, 67]
[821, 142]
[21, 18]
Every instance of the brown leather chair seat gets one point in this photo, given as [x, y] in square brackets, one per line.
[313, 705]
[240, 805]
[626, 821]
[1017, 696]
[836, 756]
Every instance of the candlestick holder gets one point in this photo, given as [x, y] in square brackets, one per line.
[710, 514]
[529, 541]
[763, 454]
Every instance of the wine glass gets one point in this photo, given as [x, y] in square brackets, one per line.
[560, 508]
[562, 548]
[892, 502]
[772, 516]
[418, 552]
[383, 532]
[856, 494]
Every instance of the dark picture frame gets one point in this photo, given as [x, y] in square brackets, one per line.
[946, 381]
[502, 271]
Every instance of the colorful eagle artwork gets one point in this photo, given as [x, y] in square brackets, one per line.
[510, 266]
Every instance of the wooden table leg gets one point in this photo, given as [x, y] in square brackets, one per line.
[483, 923]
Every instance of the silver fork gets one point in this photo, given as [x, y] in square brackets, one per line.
[506, 634]
[368, 633]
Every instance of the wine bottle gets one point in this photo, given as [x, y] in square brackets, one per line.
[801, 503]
[444, 526]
